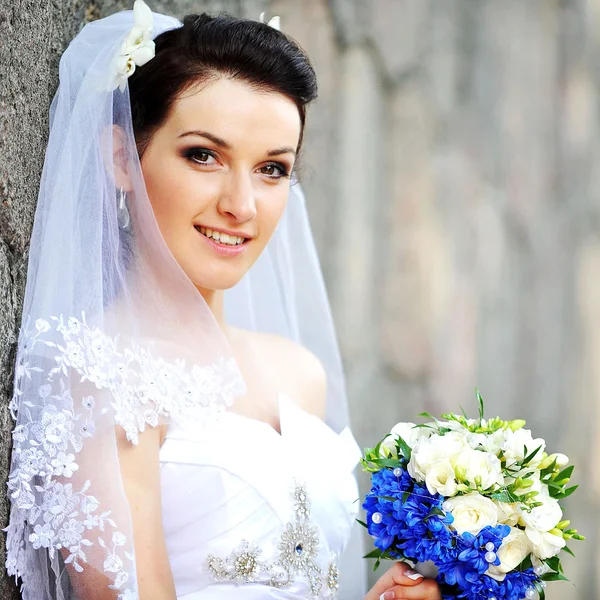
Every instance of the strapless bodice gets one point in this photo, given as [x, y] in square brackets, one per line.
[250, 513]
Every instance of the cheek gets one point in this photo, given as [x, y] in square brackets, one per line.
[274, 207]
[270, 214]
[171, 192]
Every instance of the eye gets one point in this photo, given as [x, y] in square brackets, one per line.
[200, 156]
[275, 170]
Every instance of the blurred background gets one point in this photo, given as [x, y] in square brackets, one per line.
[449, 171]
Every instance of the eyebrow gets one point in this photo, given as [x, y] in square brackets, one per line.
[227, 146]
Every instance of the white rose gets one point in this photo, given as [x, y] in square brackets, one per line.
[476, 439]
[544, 517]
[407, 432]
[440, 479]
[472, 513]
[489, 442]
[515, 444]
[452, 443]
[515, 547]
[508, 513]
[545, 544]
[428, 451]
[423, 456]
[456, 426]
[478, 464]
[410, 433]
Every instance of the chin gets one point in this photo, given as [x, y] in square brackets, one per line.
[217, 282]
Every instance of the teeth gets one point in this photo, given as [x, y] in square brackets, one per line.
[223, 238]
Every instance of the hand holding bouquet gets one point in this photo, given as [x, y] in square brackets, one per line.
[479, 498]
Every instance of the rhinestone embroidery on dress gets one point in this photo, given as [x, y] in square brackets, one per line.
[298, 548]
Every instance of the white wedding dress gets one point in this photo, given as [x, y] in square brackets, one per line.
[250, 513]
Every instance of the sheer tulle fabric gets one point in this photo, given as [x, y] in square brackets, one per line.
[115, 338]
[284, 293]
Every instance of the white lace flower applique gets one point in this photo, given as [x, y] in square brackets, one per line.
[53, 505]
[137, 47]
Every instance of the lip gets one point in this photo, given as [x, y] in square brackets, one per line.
[224, 249]
[227, 231]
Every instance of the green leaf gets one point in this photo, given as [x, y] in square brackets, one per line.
[427, 415]
[528, 458]
[362, 523]
[377, 449]
[554, 563]
[505, 496]
[481, 406]
[566, 493]
[553, 577]
[387, 462]
[569, 551]
[405, 497]
[548, 470]
[380, 555]
[565, 473]
[406, 449]
[462, 410]
[435, 511]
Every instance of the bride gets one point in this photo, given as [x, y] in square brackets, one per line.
[181, 427]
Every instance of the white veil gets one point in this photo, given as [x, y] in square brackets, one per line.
[284, 294]
[115, 337]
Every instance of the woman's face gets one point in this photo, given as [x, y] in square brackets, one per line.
[217, 175]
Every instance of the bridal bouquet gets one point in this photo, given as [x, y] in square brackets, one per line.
[480, 498]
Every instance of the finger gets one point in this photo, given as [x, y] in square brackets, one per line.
[399, 574]
[426, 589]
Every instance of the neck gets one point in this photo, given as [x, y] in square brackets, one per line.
[216, 302]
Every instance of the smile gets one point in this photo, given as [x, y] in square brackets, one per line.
[220, 237]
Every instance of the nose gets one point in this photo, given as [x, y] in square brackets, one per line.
[237, 198]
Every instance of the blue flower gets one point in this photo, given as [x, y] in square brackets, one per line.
[514, 586]
[411, 523]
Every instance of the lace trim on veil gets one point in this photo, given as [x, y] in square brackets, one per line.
[48, 511]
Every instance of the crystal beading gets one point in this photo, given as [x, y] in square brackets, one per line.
[298, 547]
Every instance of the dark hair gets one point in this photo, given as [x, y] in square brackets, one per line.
[208, 47]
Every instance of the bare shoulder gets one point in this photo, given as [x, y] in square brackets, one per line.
[299, 373]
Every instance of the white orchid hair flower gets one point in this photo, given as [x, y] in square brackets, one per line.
[275, 22]
[137, 47]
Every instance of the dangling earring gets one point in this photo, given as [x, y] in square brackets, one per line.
[123, 218]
